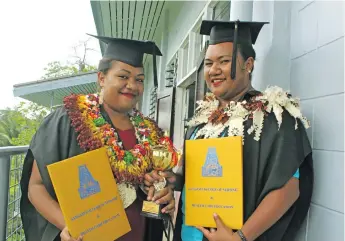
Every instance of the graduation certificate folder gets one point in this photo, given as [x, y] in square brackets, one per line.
[214, 182]
[88, 197]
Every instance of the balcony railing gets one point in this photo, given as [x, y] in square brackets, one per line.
[11, 164]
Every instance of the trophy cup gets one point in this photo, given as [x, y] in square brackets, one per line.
[163, 159]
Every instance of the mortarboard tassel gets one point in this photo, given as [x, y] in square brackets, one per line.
[234, 54]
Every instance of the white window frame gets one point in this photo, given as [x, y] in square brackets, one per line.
[191, 74]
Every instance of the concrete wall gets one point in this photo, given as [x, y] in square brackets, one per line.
[303, 50]
[272, 66]
[317, 76]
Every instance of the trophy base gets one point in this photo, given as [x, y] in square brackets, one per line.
[153, 210]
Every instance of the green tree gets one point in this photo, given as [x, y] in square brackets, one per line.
[9, 127]
[29, 117]
[18, 125]
[56, 69]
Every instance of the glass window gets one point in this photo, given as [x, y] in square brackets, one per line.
[221, 11]
[185, 60]
[198, 44]
[191, 100]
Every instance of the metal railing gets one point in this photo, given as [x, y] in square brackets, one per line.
[11, 164]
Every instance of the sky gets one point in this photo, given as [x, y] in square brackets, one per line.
[36, 32]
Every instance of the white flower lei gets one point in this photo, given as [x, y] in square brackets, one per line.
[274, 98]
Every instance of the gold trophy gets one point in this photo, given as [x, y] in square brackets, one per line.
[163, 159]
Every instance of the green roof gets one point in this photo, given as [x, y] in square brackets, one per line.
[50, 92]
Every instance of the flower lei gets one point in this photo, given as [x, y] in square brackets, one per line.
[94, 132]
[233, 116]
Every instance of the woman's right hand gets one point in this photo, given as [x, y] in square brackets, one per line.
[155, 176]
[65, 236]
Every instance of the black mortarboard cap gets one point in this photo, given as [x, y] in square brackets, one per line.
[231, 31]
[129, 51]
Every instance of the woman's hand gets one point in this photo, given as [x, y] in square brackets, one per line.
[222, 233]
[65, 236]
[154, 177]
[165, 196]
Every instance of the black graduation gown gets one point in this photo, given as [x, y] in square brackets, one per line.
[56, 140]
[269, 164]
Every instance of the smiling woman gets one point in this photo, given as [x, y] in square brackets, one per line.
[88, 122]
[217, 71]
[277, 156]
[122, 85]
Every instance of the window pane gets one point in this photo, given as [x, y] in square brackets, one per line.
[221, 11]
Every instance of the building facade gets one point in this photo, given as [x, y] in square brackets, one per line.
[301, 50]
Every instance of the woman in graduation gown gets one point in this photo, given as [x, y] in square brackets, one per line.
[277, 156]
[88, 122]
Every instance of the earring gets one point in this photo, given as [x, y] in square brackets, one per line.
[249, 71]
[101, 96]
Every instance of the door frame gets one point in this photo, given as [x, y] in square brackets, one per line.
[167, 93]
